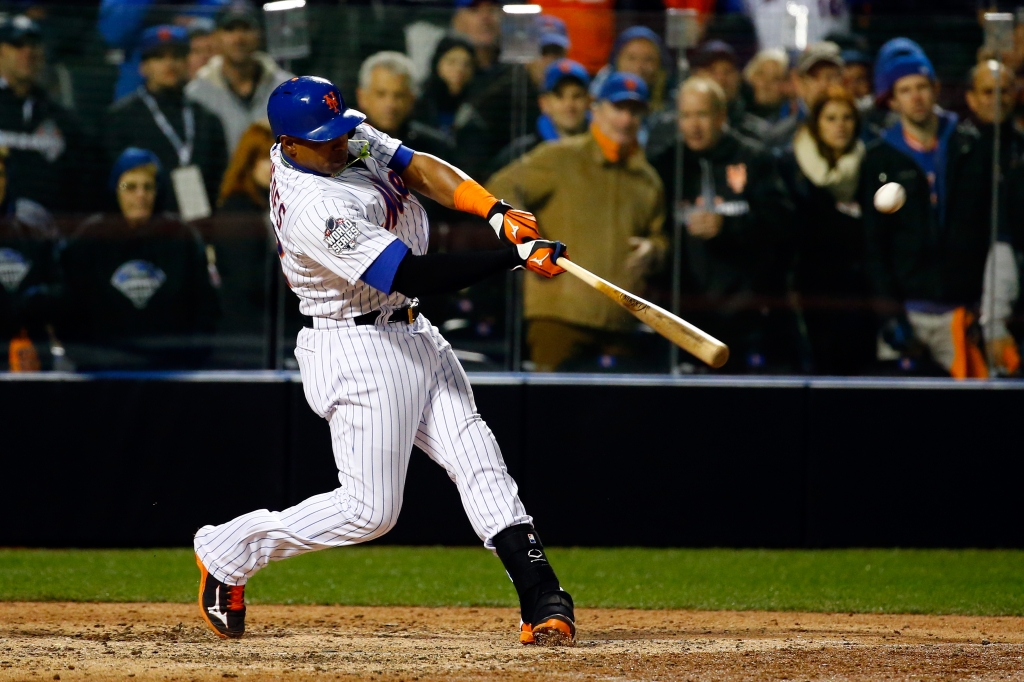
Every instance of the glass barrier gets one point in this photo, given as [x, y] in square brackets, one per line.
[819, 185]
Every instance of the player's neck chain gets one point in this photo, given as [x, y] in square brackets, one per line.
[364, 153]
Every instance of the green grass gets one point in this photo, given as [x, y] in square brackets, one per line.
[890, 581]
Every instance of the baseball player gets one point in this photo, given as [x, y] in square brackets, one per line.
[352, 241]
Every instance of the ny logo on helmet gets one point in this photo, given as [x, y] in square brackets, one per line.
[332, 101]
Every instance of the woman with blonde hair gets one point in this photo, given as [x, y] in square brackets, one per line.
[822, 172]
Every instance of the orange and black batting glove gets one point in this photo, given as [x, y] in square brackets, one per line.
[540, 256]
[511, 225]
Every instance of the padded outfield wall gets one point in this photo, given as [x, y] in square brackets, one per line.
[144, 460]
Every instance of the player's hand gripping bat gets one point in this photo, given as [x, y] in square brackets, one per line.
[678, 331]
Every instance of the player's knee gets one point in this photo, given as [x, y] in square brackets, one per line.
[379, 523]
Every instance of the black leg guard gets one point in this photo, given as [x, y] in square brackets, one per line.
[540, 597]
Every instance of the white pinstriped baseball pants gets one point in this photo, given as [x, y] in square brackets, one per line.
[383, 389]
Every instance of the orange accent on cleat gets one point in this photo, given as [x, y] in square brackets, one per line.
[555, 632]
[526, 634]
[203, 573]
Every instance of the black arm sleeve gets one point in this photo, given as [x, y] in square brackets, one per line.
[438, 273]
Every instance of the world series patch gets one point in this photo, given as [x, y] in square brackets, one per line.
[340, 235]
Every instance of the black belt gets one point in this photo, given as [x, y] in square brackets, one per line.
[407, 314]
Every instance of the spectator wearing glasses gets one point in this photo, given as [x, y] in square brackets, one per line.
[598, 190]
[138, 287]
[236, 84]
[159, 117]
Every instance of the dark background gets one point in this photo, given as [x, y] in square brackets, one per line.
[145, 461]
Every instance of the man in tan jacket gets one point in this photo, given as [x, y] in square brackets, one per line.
[597, 192]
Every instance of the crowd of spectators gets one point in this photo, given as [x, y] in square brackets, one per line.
[740, 174]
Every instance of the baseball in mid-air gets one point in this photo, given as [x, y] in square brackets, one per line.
[890, 197]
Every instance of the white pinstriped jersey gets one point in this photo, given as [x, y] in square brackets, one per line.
[330, 229]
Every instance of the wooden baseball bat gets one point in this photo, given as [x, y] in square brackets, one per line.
[675, 329]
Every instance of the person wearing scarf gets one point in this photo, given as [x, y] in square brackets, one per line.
[822, 172]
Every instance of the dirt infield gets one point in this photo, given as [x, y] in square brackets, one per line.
[50, 641]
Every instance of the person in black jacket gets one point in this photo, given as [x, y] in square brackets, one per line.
[1002, 281]
[49, 152]
[452, 72]
[735, 213]
[28, 240]
[822, 172]
[138, 288]
[926, 261]
[159, 117]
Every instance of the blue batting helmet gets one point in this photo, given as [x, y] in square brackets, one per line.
[310, 108]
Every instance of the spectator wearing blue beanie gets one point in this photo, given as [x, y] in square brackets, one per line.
[926, 261]
[893, 49]
[139, 291]
[638, 50]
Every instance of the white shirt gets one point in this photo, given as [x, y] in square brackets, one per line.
[776, 27]
[330, 229]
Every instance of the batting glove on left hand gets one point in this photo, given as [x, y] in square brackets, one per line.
[512, 225]
[540, 256]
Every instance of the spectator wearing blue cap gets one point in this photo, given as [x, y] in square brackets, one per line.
[599, 189]
[926, 261]
[47, 145]
[137, 284]
[121, 23]
[483, 125]
[236, 84]
[565, 110]
[159, 117]
[735, 218]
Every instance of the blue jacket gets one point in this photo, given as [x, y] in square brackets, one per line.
[947, 126]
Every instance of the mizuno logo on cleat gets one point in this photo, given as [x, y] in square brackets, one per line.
[216, 611]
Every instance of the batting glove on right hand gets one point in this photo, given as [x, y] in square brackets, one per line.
[512, 225]
[540, 256]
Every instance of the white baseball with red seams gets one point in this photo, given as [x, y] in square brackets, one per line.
[383, 388]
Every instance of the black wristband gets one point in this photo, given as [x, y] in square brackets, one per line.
[500, 206]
